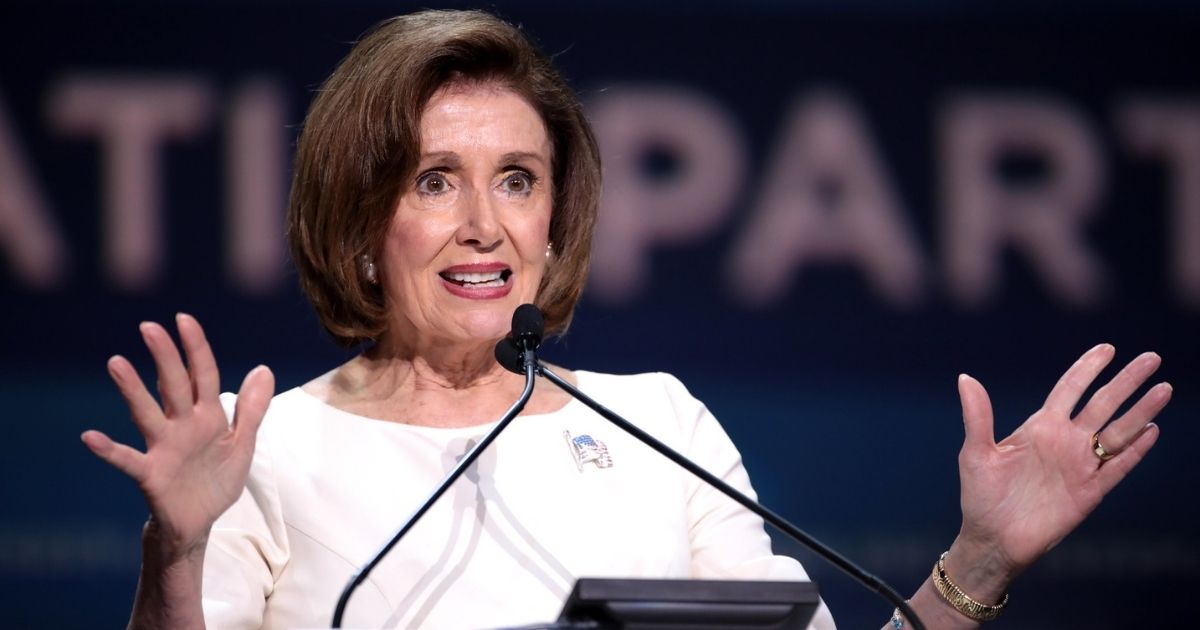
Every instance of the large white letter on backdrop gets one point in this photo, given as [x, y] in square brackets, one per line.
[825, 198]
[1171, 130]
[640, 210]
[35, 249]
[1044, 219]
[256, 166]
[131, 118]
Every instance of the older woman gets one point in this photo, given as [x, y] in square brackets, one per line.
[445, 175]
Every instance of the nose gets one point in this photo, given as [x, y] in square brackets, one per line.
[479, 227]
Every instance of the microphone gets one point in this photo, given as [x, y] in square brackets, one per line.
[527, 329]
[520, 348]
[528, 326]
[510, 357]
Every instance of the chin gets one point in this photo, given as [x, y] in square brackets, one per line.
[491, 323]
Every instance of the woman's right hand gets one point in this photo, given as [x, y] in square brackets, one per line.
[196, 463]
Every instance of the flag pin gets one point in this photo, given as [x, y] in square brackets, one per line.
[586, 449]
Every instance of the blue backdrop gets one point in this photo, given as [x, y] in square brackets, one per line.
[816, 216]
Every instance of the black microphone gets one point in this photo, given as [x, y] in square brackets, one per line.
[509, 356]
[527, 329]
[512, 358]
[519, 349]
[528, 326]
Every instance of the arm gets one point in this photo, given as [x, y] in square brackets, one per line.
[1023, 495]
[168, 591]
[194, 467]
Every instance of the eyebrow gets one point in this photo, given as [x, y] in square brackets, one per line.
[448, 158]
[517, 156]
[452, 159]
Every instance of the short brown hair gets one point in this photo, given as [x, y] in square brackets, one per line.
[361, 142]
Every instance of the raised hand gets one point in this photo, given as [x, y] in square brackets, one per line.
[195, 464]
[1021, 496]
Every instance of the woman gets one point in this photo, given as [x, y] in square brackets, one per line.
[446, 175]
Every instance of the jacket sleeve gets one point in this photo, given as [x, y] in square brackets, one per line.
[247, 547]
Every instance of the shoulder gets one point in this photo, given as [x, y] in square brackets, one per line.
[657, 401]
[649, 383]
[293, 403]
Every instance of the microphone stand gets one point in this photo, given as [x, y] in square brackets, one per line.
[530, 364]
[826, 553]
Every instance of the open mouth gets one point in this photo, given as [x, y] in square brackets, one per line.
[477, 279]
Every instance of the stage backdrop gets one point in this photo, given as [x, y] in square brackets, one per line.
[815, 216]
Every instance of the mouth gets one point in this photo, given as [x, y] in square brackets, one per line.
[478, 279]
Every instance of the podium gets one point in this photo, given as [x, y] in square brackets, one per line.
[645, 604]
[637, 604]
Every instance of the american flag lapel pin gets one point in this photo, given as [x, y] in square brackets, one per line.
[586, 449]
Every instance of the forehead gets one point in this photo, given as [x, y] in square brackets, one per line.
[482, 117]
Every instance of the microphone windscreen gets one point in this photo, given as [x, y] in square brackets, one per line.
[508, 356]
[528, 326]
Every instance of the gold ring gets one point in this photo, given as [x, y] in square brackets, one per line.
[1099, 449]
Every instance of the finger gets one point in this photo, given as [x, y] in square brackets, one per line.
[1115, 469]
[252, 401]
[202, 366]
[1107, 399]
[1077, 378]
[124, 458]
[1117, 436]
[977, 414]
[143, 409]
[173, 383]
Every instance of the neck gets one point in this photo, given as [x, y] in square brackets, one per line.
[435, 384]
[435, 364]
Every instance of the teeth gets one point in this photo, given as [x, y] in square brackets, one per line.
[488, 279]
[475, 277]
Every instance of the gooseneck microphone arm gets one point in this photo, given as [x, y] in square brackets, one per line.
[826, 553]
[527, 332]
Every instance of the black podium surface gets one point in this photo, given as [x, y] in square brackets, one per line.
[699, 604]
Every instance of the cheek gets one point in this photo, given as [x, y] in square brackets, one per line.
[537, 232]
[540, 235]
[409, 252]
[412, 245]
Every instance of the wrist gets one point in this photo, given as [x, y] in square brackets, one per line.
[979, 571]
[953, 594]
[169, 591]
[168, 547]
[936, 612]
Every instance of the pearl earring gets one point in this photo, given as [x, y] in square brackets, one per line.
[368, 267]
[549, 250]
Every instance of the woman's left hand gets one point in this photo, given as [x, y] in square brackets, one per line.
[1023, 495]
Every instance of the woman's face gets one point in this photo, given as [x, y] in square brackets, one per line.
[467, 243]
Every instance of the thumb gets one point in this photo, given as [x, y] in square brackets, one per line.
[977, 414]
[252, 401]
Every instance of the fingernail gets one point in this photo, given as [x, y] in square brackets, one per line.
[1108, 347]
[962, 377]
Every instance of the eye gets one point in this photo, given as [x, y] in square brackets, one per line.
[432, 183]
[518, 183]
